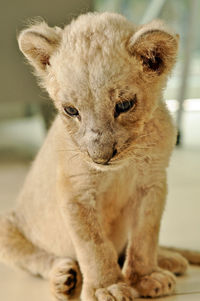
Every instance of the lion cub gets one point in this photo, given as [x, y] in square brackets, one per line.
[98, 184]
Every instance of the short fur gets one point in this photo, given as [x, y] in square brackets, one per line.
[82, 205]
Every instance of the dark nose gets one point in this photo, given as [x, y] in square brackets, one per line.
[105, 161]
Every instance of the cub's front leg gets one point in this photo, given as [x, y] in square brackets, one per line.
[140, 268]
[97, 258]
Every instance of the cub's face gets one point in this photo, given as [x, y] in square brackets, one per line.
[105, 77]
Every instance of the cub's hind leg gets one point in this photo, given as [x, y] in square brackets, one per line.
[172, 261]
[17, 250]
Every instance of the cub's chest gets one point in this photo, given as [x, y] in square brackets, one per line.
[117, 195]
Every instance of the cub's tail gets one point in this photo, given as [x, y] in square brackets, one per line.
[192, 256]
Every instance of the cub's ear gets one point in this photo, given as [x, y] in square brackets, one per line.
[155, 46]
[38, 43]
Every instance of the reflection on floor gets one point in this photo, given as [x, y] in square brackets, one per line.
[180, 227]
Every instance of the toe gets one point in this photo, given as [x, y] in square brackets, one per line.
[122, 292]
[167, 281]
[102, 294]
[149, 287]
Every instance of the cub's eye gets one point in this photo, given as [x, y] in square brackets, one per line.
[71, 111]
[122, 107]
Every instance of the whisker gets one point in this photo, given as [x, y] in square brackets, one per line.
[83, 174]
[144, 147]
[141, 136]
[71, 158]
[78, 175]
[67, 150]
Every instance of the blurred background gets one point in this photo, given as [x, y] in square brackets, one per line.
[26, 111]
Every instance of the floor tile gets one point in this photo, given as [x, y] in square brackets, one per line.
[190, 297]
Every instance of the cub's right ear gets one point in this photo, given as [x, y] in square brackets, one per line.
[38, 43]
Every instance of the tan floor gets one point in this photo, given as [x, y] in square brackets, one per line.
[180, 227]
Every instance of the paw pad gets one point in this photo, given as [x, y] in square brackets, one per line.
[65, 280]
[71, 281]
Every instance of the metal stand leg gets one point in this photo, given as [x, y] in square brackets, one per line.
[186, 65]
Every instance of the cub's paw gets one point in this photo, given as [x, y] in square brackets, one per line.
[65, 280]
[172, 262]
[115, 292]
[158, 283]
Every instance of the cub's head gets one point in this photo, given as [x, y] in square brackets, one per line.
[105, 76]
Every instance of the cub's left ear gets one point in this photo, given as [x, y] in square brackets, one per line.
[155, 46]
[38, 43]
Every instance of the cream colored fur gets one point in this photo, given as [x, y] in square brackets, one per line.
[81, 206]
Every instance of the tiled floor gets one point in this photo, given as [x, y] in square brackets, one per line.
[180, 227]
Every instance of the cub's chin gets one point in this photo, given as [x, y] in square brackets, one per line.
[114, 164]
[111, 166]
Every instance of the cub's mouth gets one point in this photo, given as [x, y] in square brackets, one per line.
[104, 160]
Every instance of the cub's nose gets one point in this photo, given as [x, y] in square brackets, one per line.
[104, 160]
